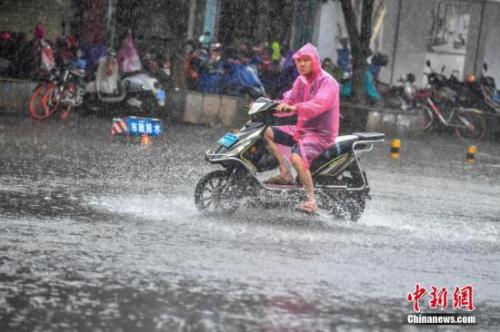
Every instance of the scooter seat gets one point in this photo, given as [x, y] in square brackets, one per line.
[342, 145]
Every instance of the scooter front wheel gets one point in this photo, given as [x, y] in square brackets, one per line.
[213, 194]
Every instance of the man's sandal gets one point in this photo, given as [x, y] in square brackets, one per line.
[308, 208]
[279, 180]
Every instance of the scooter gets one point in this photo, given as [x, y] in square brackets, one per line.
[136, 93]
[341, 185]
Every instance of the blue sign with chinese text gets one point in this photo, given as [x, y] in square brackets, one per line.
[144, 126]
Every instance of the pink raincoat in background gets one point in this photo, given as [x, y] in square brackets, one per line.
[128, 57]
[317, 102]
[39, 31]
[42, 50]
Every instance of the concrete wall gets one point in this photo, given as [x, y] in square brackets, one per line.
[330, 17]
[15, 96]
[23, 15]
[394, 123]
[389, 38]
[208, 109]
[406, 28]
[474, 45]
[406, 42]
[491, 40]
[410, 44]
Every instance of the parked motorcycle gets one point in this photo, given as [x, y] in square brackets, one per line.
[209, 72]
[402, 96]
[341, 184]
[487, 98]
[241, 79]
[133, 94]
[136, 93]
[370, 81]
[488, 90]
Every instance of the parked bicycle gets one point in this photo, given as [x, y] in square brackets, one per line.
[441, 105]
[61, 93]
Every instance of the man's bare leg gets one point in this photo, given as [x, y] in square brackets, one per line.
[305, 178]
[273, 149]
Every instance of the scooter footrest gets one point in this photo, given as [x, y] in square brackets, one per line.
[283, 186]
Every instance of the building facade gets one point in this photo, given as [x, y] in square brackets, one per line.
[458, 34]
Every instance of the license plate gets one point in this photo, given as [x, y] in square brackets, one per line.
[228, 140]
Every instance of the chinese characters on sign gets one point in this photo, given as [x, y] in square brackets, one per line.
[144, 126]
[462, 297]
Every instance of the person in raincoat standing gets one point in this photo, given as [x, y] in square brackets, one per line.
[314, 97]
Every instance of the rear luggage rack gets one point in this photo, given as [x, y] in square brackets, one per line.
[370, 136]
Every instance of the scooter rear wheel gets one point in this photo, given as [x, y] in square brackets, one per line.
[355, 204]
[213, 194]
[345, 204]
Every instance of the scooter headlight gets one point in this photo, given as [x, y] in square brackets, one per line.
[255, 108]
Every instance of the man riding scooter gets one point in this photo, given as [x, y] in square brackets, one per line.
[315, 98]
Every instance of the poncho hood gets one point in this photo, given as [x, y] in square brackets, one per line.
[309, 50]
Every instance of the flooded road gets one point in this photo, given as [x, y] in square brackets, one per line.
[106, 237]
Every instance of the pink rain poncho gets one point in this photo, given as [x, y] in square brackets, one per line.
[39, 31]
[317, 102]
[128, 57]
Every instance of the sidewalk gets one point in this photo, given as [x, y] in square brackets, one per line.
[206, 109]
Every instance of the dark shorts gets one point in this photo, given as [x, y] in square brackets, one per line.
[283, 138]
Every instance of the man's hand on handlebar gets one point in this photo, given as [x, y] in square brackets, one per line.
[283, 107]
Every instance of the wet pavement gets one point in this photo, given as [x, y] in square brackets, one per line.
[105, 237]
